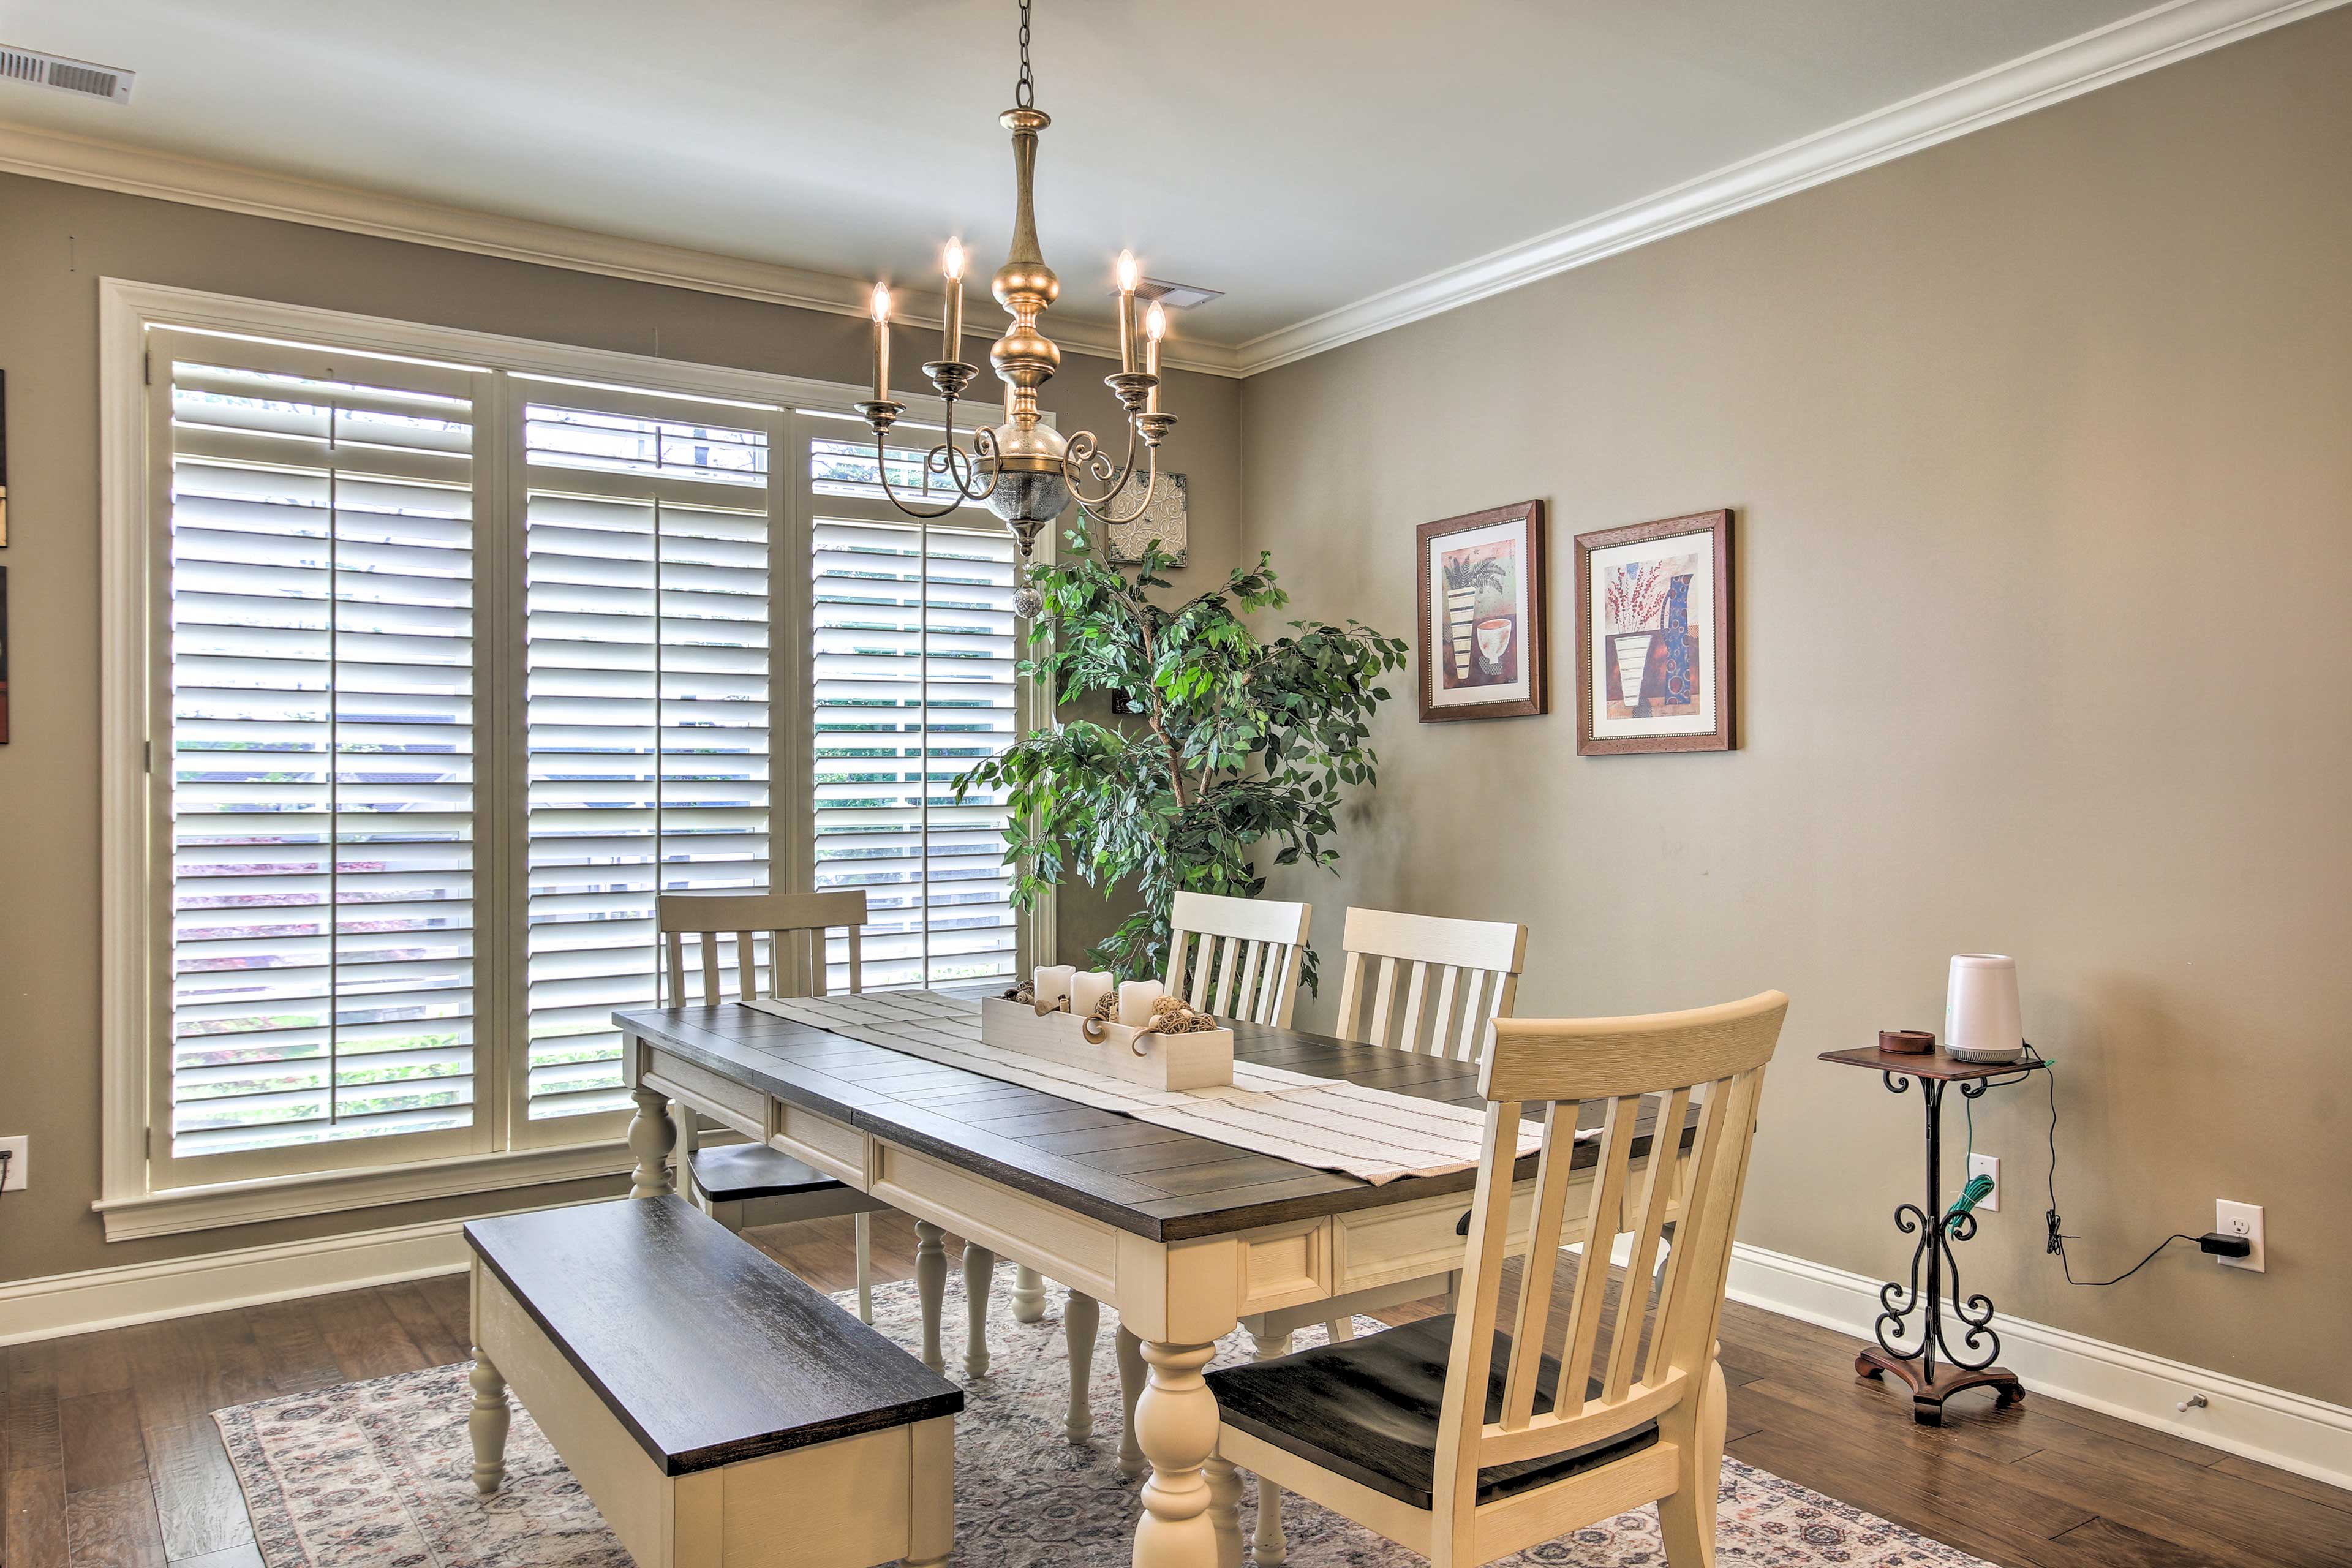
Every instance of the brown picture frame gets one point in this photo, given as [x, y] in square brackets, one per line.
[1723, 737]
[1535, 649]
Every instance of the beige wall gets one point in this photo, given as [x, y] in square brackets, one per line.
[2041, 447]
[56, 242]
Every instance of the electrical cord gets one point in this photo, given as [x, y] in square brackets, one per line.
[2059, 1239]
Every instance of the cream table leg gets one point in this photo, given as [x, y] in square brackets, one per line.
[1129, 1351]
[1272, 1545]
[1028, 1295]
[1176, 1423]
[1224, 1509]
[979, 1280]
[1081, 1319]
[652, 1135]
[930, 1288]
[487, 1423]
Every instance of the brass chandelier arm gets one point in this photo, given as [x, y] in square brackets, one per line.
[1143, 502]
[1086, 457]
[946, 459]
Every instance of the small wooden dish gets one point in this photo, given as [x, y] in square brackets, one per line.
[1907, 1042]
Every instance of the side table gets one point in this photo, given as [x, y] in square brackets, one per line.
[1934, 1267]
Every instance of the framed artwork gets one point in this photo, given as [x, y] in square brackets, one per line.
[1166, 519]
[1481, 597]
[4, 456]
[1654, 636]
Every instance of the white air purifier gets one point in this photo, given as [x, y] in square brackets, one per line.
[1980, 1016]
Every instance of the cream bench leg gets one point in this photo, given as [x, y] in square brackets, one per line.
[489, 1423]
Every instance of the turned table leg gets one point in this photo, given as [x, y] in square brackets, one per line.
[979, 1280]
[1176, 1424]
[1129, 1351]
[930, 1288]
[652, 1135]
[1272, 1545]
[487, 1423]
[1081, 1317]
[1028, 1295]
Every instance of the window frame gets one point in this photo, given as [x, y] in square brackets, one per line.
[134, 888]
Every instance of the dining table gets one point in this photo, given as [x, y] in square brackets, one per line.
[1183, 1236]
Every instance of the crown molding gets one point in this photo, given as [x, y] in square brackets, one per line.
[2120, 50]
[2159, 36]
[225, 187]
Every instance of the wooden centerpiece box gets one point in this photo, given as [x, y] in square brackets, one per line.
[1200, 1060]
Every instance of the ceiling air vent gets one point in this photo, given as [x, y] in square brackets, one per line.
[38, 69]
[1175, 296]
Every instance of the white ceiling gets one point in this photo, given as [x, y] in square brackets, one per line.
[1298, 154]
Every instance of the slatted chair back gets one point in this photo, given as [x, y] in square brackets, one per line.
[1245, 961]
[1425, 984]
[794, 923]
[1714, 1057]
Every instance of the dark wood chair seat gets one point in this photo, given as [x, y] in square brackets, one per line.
[705, 1349]
[1368, 1409]
[738, 1173]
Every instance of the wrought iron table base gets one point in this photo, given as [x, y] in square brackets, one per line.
[1971, 1365]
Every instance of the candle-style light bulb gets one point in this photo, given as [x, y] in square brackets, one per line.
[881, 308]
[1128, 276]
[1155, 327]
[951, 334]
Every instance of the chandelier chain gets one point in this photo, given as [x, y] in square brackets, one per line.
[1024, 91]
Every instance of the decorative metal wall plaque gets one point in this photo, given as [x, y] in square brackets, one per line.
[1165, 519]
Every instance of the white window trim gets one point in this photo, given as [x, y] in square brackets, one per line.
[126, 880]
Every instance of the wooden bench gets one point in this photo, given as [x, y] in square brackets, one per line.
[719, 1412]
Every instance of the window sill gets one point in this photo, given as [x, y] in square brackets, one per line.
[328, 1192]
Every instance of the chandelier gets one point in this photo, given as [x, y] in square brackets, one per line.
[1025, 471]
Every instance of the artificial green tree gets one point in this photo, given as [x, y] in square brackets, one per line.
[1229, 740]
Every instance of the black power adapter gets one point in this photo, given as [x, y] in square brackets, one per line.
[2220, 1246]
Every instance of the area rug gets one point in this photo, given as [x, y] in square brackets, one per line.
[375, 1474]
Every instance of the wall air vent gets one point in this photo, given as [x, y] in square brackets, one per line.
[37, 69]
[1175, 296]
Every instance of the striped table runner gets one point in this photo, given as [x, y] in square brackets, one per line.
[1315, 1121]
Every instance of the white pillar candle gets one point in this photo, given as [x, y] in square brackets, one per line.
[1136, 998]
[1088, 986]
[1053, 984]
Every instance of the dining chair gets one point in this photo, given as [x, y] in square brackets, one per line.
[1421, 984]
[1427, 985]
[1237, 958]
[722, 1179]
[1466, 1443]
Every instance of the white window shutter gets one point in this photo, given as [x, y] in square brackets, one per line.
[320, 782]
[647, 647]
[914, 647]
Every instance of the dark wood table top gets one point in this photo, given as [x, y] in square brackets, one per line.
[1152, 1181]
[1939, 1064]
[628, 1292]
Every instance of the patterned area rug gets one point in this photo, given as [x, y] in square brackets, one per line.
[374, 1474]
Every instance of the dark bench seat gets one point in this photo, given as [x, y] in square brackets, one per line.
[721, 1413]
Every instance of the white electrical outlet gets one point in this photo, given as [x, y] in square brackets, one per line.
[2241, 1219]
[16, 1150]
[1988, 1167]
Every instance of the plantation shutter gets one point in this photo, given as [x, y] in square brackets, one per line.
[648, 528]
[912, 682]
[317, 981]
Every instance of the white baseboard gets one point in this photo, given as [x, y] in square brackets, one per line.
[61, 1304]
[2292, 1431]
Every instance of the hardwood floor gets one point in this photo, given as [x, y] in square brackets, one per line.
[109, 1457]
